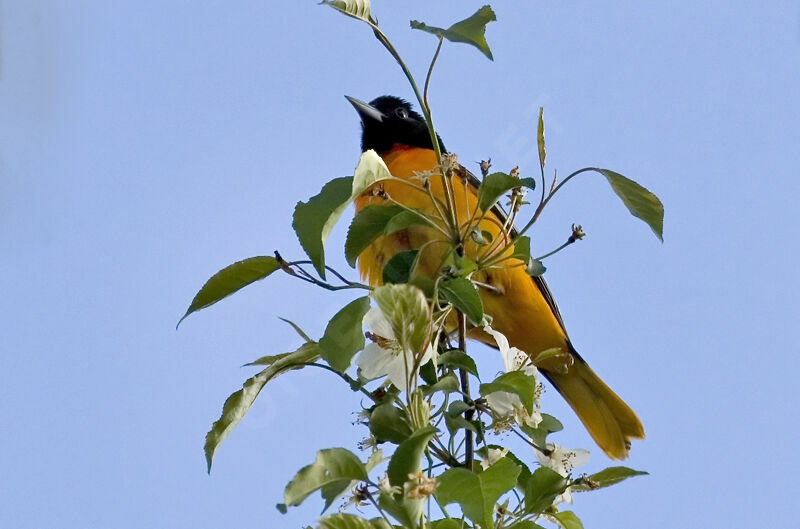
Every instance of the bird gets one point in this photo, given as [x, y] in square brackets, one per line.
[520, 305]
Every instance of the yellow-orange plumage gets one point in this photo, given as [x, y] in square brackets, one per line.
[520, 306]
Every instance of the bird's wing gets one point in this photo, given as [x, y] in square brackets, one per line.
[539, 281]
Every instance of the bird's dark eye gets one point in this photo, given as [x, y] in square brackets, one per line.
[401, 113]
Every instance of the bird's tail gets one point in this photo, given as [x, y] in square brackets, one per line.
[611, 423]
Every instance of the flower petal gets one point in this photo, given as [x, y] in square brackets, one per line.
[373, 361]
[378, 324]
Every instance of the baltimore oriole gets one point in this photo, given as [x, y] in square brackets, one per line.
[521, 306]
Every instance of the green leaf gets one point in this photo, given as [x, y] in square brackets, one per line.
[344, 336]
[463, 295]
[403, 220]
[448, 383]
[311, 220]
[448, 523]
[314, 220]
[297, 329]
[639, 201]
[457, 359]
[407, 310]
[408, 456]
[457, 408]
[367, 225]
[522, 248]
[333, 491]
[525, 524]
[229, 280]
[398, 269]
[457, 422]
[542, 488]
[606, 478]
[388, 423]
[404, 510]
[266, 360]
[354, 8]
[525, 472]
[477, 494]
[333, 465]
[344, 521]
[237, 405]
[496, 185]
[539, 434]
[540, 139]
[568, 520]
[471, 30]
[515, 382]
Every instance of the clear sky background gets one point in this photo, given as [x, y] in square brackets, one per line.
[145, 145]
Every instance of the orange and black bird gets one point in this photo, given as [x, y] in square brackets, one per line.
[521, 306]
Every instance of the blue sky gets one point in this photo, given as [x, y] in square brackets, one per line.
[145, 145]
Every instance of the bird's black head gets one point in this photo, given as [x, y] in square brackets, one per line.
[389, 120]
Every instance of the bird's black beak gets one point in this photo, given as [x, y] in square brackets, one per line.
[366, 111]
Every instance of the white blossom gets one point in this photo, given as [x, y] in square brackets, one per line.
[493, 455]
[562, 460]
[384, 356]
[508, 406]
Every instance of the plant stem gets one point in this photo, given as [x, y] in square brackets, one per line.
[469, 450]
[347, 378]
[551, 195]
[422, 99]
[548, 254]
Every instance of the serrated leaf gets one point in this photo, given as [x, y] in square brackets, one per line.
[496, 185]
[333, 491]
[311, 219]
[515, 382]
[344, 335]
[457, 422]
[368, 224]
[525, 472]
[540, 139]
[314, 220]
[388, 423]
[237, 405]
[477, 494]
[398, 269]
[354, 8]
[459, 360]
[229, 280]
[548, 425]
[463, 295]
[470, 30]
[448, 384]
[408, 456]
[639, 201]
[606, 478]
[457, 408]
[568, 520]
[331, 466]
[344, 521]
[542, 488]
